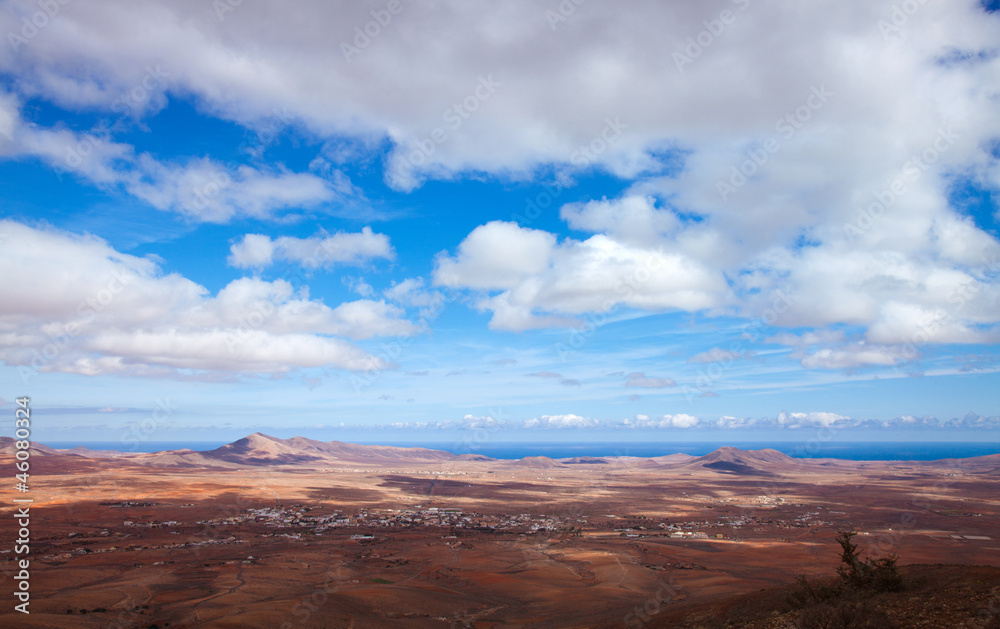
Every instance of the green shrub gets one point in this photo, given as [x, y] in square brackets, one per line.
[869, 576]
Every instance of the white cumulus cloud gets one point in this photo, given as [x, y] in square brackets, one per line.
[561, 421]
[258, 250]
[94, 310]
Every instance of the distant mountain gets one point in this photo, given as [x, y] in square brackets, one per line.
[474, 457]
[536, 462]
[179, 458]
[673, 458]
[361, 453]
[729, 454]
[7, 447]
[92, 454]
[986, 461]
[261, 449]
[585, 460]
[748, 462]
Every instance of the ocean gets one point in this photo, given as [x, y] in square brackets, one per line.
[855, 451]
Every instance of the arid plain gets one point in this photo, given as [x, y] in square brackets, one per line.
[268, 532]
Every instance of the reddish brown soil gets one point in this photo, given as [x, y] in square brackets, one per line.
[91, 570]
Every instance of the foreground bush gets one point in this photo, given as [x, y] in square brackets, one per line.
[868, 576]
[845, 615]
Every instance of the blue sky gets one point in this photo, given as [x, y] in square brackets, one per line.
[394, 221]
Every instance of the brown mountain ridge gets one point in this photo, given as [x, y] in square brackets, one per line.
[260, 449]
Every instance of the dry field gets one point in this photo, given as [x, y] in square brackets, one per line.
[539, 543]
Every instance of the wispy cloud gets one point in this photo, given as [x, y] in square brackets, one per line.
[641, 380]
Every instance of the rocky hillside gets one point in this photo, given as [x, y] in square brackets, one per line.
[935, 597]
